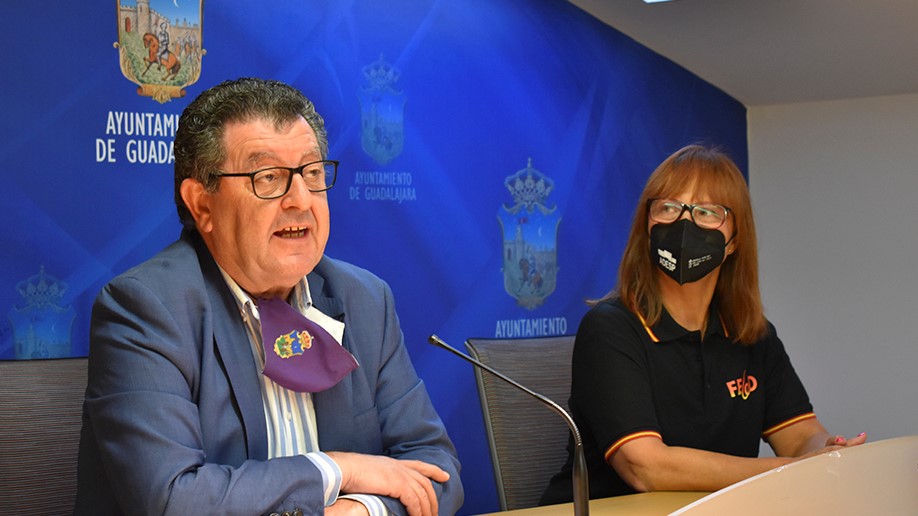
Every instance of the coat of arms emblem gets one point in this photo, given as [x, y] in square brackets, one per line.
[160, 45]
[382, 114]
[530, 230]
[41, 326]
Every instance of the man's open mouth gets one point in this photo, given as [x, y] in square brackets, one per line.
[291, 232]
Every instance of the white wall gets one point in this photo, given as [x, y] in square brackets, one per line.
[835, 192]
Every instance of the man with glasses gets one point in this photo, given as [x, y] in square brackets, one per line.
[242, 371]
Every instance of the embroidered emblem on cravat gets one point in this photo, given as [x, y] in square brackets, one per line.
[299, 354]
[293, 343]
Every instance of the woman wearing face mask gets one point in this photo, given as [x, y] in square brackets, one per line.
[676, 373]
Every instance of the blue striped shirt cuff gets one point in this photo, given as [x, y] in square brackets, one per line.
[331, 476]
[373, 504]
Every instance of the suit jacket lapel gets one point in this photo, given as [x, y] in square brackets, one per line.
[235, 351]
[332, 406]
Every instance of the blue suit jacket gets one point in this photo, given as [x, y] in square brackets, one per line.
[174, 423]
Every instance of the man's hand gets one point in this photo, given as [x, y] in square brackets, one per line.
[407, 480]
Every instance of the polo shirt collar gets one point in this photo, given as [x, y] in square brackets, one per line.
[667, 329]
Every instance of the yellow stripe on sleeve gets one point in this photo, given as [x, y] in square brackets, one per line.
[789, 422]
[627, 439]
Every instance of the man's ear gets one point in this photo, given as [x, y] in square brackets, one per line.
[197, 200]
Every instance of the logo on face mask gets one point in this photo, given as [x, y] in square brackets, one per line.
[686, 252]
[667, 260]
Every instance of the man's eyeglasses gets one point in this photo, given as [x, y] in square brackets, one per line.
[705, 215]
[274, 182]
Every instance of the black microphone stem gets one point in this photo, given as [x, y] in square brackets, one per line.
[580, 476]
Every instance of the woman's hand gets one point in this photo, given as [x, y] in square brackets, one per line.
[808, 438]
[838, 441]
[835, 442]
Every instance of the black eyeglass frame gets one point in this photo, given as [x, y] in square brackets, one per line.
[293, 170]
[691, 210]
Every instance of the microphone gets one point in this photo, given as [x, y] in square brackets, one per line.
[580, 477]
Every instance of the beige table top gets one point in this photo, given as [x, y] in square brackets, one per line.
[643, 504]
[879, 477]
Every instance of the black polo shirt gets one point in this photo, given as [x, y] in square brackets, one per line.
[709, 393]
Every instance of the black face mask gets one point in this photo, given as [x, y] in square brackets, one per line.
[686, 252]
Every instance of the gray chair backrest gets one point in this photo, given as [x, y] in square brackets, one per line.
[40, 419]
[528, 440]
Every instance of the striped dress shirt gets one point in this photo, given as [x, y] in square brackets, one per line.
[290, 416]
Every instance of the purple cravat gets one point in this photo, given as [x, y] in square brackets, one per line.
[299, 354]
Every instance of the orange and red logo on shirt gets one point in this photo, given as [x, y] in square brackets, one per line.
[742, 386]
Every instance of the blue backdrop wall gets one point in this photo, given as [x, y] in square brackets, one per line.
[491, 155]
